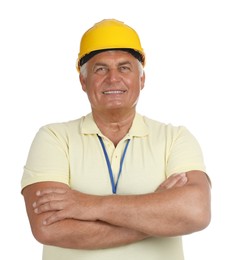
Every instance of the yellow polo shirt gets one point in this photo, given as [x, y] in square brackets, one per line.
[71, 153]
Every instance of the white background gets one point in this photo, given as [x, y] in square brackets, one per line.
[191, 72]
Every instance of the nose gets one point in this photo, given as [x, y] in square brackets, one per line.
[113, 75]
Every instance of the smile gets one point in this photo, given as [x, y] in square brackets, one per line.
[109, 92]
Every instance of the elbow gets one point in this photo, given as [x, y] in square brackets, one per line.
[199, 210]
[199, 217]
[204, 217]
[200, 221]
[42, 235]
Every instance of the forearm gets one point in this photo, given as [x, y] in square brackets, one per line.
[155, 214]
[171, 212]
[70, 232]
[76, 234]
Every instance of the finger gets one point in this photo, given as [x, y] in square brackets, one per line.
[172, 180]
[182, 181]
[54, 218]
[51, 190]
[46, 198]
[49, 206]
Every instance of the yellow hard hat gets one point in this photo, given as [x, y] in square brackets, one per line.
[109, 34]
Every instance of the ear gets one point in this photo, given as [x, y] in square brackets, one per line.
[143, 77]
[83, 82]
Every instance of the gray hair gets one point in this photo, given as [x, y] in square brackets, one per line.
[83, 70]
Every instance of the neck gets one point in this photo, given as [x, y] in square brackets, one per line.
[114, 125]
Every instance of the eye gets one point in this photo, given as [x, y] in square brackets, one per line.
[124, 69]
[101, 70]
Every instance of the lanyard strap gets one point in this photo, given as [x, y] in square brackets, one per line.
[113, 184]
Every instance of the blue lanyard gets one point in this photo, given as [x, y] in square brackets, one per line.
[113, 184]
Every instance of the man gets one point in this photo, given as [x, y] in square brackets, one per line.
[114, 184]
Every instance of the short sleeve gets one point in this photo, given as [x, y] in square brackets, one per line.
[47, 159]
[184, 153]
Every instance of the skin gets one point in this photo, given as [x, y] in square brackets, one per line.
[113, 86]
[67, 218]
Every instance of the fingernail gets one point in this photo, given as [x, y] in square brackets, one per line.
[184, 179]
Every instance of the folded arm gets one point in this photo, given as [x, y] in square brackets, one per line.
[168, 212]
[180, 205]
[70, 232]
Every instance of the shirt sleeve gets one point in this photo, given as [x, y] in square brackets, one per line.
[47, 159]
[184, 153]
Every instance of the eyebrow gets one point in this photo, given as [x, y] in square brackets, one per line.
[125, 63]
[106, 65]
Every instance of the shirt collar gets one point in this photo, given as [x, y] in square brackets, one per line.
[138, 128]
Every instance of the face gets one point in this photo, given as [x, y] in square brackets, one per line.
[113, 81]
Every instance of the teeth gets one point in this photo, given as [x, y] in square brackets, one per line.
[113, 92]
